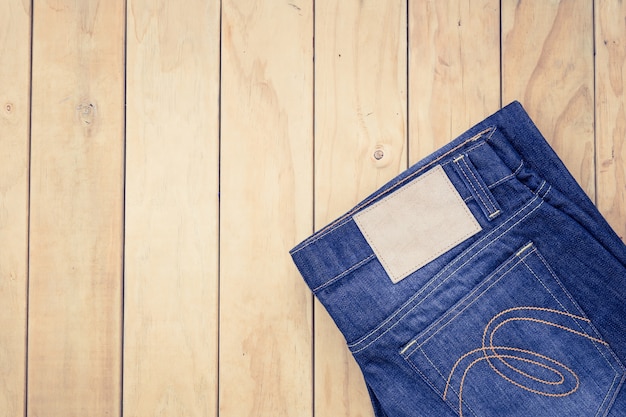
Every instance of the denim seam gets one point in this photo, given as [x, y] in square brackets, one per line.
[465, 200]
[344, 273]
[618, 388]
[538, 192]
[474, 147]
[534, 250]
[505, 178]
[444, 378]
[441, 273]
[458, 394]
[618, 372]
[493, 185]
[500, 181]
[347, 216]
[522, 260]
[471, 297]
[471, 184]
[486, 194]
[429, 383]
[608, 406]
[580, 311]
[483, 195]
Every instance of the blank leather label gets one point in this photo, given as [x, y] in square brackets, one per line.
[417, 223]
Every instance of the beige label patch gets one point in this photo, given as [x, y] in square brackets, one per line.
[416, 224]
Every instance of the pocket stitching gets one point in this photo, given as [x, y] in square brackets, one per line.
[489, 236]
[427, 380]
[616, 360]
[558, 281]
[498, 274]
[521, 260]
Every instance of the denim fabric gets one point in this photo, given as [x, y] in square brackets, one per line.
[522, 314]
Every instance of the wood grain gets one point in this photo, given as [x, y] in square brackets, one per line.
[74, 351]
[266, 208]
[14, 157]
[454, 69]
[144, 267]
[610, 64]
[171, 275]
[547, 64]
[360, 143]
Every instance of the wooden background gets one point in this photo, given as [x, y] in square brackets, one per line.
[158, 159]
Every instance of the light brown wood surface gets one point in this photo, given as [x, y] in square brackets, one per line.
[454, 69]
[158, 161]
[14, 162]
[547, 64]
[171, 222]
[76, 209]
[265, 207]
[610, 112]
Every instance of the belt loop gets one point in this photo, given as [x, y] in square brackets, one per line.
[474, 182]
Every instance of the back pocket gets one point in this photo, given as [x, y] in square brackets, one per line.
[518, 345]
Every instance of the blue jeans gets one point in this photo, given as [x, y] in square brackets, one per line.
[482, 281]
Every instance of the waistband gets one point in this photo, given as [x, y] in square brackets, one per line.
[331, 252]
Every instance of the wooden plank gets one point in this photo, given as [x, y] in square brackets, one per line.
[266, 208]
[454, 69]
[14, 130]
[610, 67]
[74, 351]
[360, 115]
[547, 64]
[170, 297]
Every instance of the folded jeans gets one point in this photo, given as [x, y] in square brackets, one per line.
[482, 281]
